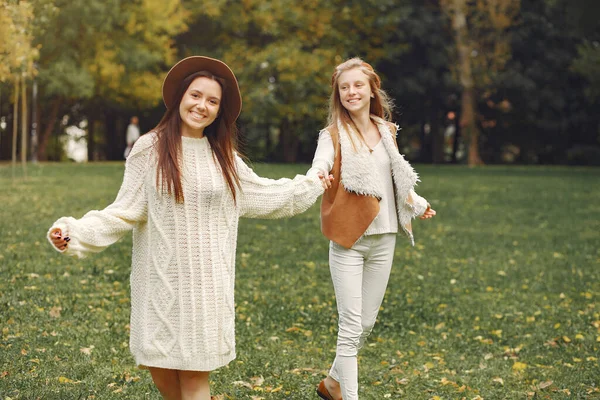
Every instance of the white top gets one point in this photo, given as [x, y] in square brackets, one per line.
[386, 221]
[133, 134]
[183, 266]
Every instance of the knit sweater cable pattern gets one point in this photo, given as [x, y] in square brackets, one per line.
[183, 261]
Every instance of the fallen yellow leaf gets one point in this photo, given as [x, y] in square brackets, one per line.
[63, 379]
[519, 366]
[544, 385]
[55, 312]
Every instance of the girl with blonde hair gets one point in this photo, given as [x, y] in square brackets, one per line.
[371, 198]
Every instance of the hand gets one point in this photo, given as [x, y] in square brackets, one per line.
[58, 240]
[429, 213]
[325, 181]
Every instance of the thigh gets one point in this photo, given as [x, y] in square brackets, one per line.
[376, 274]
[346, 267]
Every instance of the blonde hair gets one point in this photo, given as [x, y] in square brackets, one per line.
[381, 105]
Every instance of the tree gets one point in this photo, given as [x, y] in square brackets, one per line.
[482, 49]
[105, 55]
[17, 56]
[416, 68]
[547, 113]
[284, 53]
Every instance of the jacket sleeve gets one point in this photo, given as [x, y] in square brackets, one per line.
[97, 230]
[417, 203]
[324, 155]
[275, 198]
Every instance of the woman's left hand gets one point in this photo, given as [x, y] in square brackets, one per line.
[325, 181]
[429, 213]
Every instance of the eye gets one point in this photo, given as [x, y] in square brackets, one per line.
[215, 102]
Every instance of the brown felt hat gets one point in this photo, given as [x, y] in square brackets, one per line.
[191, 65]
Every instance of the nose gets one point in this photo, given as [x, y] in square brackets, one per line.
[201, 104]
[351, 90]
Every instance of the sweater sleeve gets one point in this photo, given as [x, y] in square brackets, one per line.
[97, 230]
[324, 155]
[275, 198]
[417, 203]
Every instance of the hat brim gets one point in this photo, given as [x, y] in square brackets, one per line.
[191, 65]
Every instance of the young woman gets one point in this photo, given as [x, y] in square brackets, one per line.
[183, 192]
[369, 201]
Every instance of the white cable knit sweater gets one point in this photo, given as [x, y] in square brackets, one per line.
[183, 267]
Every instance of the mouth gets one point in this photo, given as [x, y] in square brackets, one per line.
[197, 116]
[353, 101]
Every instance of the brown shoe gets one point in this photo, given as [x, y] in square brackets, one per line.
[323, 392]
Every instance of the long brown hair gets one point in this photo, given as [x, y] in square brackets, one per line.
[221, 134]
[381, 105]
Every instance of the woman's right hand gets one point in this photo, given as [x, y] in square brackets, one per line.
[325, 180]
[58, 240]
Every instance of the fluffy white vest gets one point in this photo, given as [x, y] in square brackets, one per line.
[357, 172]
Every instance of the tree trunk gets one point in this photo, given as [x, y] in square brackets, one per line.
[468, 121]
[268, 144]
[47, 131]
[114, 149]
[457, 137]
[24, 125]
[288, 142]
[34, 122]
[15, 124]
[436, 135]
[91, 143]
[425, 143]
[469, 124]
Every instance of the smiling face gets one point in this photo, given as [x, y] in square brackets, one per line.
[199, 106]
[355, 91]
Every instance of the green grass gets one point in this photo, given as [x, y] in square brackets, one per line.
[499, 298]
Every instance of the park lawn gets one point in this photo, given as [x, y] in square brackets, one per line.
[499, 299]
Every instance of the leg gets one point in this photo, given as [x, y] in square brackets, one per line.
[346, 267]
[167, 382]
[194, 385]
[376, 274]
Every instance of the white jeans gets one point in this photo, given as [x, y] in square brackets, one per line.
[360, 276]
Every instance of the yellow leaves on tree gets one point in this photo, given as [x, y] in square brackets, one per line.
[126, 60]
[17, 53]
